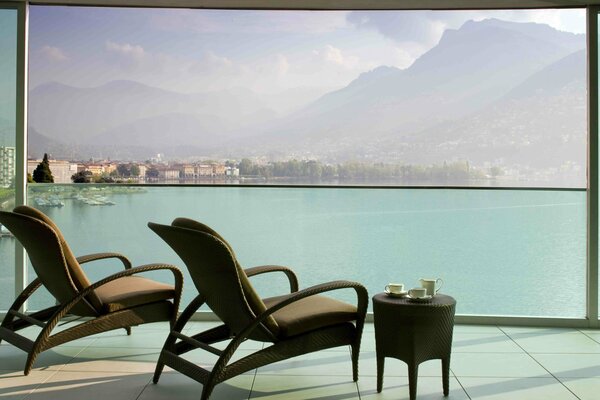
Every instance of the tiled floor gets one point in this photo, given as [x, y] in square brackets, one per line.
[488, 362]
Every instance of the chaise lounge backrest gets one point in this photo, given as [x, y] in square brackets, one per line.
[52, 259]
[217, 275]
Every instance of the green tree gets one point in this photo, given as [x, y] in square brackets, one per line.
[152, 172]
[124, 170]
[134, 170]
[104, 178]
[246, 167]
[42, 173]
[496, 171]
[82, 177]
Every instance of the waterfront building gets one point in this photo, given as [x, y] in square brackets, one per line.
[143, 168]
[61, 170]
[187, 171]
[218, 169]
[204, 170]
[168, 174]
[232, 171]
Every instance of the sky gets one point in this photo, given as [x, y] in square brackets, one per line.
[269, 52]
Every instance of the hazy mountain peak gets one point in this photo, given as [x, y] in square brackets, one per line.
[533, 29]
[381, 72]
[52, 87]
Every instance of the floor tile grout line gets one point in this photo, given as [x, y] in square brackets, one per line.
[144, 389]
[545, 369]
[580, 331]
[28, 395]
[461, 385]
[254, 377]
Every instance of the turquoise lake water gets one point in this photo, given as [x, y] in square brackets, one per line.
[499, 252]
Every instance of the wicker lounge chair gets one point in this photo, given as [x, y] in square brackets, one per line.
[121, 300]
[296, 323]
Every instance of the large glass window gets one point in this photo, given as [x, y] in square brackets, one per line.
[483, 99]
[8, 85]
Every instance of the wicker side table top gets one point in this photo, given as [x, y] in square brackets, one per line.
[439, 300]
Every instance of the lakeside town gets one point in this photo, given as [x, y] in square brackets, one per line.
[260, 170]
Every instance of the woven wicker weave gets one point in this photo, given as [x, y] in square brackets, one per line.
[47, 250]
[219, 280]
[414, 332]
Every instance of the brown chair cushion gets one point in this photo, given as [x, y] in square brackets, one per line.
[77, 275]
[310, 313]
[254, 301]
[131, 291]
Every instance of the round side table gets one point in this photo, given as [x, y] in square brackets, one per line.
[414, 332]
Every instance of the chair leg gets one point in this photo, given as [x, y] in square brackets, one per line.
[157, 371]
[207, 391]
[128, 330]
[446, 375]
[355, 350]
[31, 357]
[183, 319]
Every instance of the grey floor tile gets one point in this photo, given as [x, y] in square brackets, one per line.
[89, 385]
[331, 363]
[584, 388]
[138, 339]
[114, 359]
[303, 387]
[491, 329]
[484, 343]
[207, 360]
[510, 330]
[173, 385]
[396, 388]
[33, 332]
[571, 365]
[594, 335]
[14, 385]
[200, 326]
[516, 389]
[14, 359]
[500, 365]
[395, 367]
[153, 326]
[555, 341]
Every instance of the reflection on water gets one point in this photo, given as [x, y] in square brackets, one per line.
[499, 252]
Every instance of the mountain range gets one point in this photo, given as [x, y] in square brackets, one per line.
[490, 91]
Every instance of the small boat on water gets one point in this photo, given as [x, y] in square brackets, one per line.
[52, 201]
[97, 200]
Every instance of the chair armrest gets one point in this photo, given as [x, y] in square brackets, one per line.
[263, 269]
[101, 256]
[361, 308]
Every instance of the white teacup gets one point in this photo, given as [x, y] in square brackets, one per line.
[394, 288]
[432, 285]
[417, 293]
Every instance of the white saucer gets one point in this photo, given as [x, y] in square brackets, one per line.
[399, 294]
[424, 298]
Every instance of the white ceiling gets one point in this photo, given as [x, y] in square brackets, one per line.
[331, 4]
